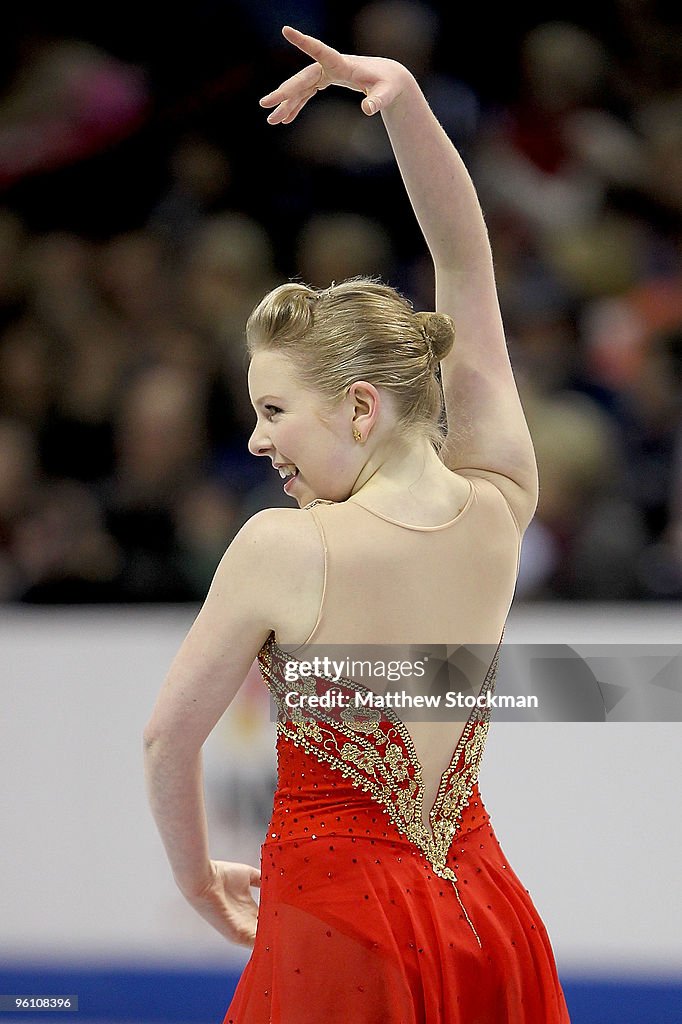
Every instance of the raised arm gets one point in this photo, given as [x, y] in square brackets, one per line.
[488, 435]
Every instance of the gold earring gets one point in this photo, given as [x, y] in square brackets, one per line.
[357, 436]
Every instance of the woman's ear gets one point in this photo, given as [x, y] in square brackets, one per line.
[365, 405]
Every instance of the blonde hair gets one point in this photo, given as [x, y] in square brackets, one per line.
[359, 329]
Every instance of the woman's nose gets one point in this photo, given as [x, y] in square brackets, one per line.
[259, 442]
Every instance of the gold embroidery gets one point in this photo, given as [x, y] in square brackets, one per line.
[305, 725]
[362, 719]
[392, 776]
[398, 763]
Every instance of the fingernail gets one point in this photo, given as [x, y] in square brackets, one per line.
[372, 106]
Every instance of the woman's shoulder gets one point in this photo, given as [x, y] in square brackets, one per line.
[519, 504]
[287, 534]
[282, 561]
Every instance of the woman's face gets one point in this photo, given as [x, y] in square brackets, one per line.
[298, 432]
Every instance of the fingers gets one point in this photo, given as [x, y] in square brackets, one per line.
[289, 99]
[315, 48]
[309, 78]
[286, 112]
[296, 110]
[379, 97]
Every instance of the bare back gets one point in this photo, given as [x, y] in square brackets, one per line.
[390, 582]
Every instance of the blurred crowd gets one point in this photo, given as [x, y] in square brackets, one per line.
[124, 412]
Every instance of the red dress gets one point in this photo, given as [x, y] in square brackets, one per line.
[368, 917]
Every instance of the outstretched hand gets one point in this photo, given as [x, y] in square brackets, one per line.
[381, 79]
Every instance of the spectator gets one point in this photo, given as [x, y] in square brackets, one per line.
[123, 396]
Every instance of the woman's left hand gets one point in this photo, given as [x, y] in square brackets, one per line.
[381, 79]
[226, 901]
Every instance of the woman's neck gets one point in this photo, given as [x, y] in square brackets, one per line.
[400, 469]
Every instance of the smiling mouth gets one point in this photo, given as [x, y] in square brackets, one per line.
[287, 471]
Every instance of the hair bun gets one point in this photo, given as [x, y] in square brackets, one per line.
[439, 331]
